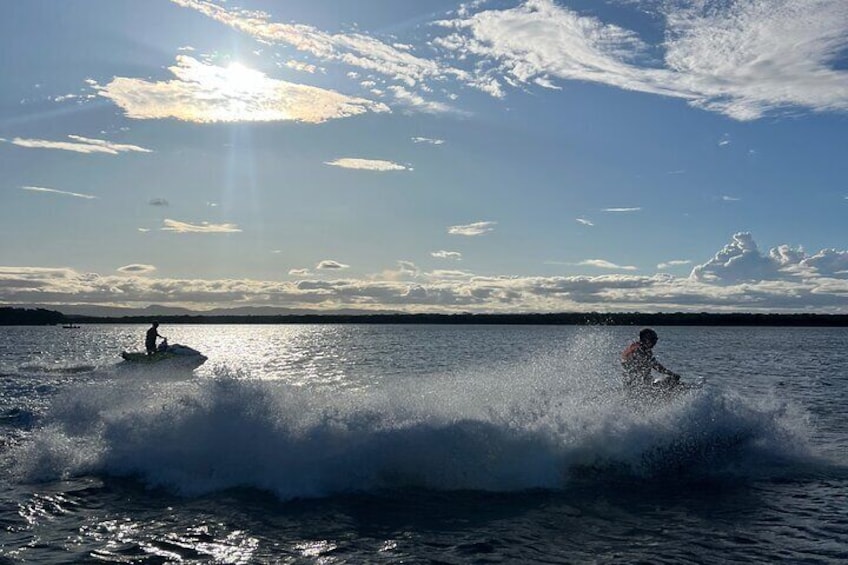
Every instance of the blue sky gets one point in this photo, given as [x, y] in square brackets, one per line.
[499, 156]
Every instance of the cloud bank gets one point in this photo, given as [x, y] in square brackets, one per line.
[739, 278]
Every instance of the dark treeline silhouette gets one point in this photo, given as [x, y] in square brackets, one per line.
[582, 318]
[20, 316]
[27, 317]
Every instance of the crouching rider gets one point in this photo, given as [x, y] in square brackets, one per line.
[637, 362]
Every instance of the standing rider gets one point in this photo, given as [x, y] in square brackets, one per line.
[638, 361]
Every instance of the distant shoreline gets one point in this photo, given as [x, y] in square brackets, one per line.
[18, 316]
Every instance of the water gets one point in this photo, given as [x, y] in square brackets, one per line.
[421, 444]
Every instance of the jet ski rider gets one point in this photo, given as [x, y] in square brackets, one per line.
[638, 360]
[150, 340]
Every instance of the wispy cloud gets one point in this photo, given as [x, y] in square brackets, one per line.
[442, 254]
[203, 227]
[428, 140]
[367, 164]
[364, 52]
[61, 192]
[329, 264]
[299, 272]
[207, 93]
[742, 59]
[136, 269]
[727, 198]
[673, 263]
[604, 264]
[585, 222]
[477, 228]
[622, 210]
[410, 99]
[79, 145]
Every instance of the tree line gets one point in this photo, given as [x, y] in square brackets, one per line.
[39, 316]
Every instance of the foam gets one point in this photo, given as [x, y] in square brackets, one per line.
[542, 424]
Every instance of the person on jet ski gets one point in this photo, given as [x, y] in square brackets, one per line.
[150, 338]
[638, 360]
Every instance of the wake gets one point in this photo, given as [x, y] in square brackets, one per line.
[541, 425]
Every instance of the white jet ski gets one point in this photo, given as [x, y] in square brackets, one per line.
[175, 355]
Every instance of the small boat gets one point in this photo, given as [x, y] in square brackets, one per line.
[71, 326]
[176, 355]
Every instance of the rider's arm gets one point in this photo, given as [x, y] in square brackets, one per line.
[657, 366]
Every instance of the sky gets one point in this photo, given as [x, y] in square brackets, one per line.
[429, 156]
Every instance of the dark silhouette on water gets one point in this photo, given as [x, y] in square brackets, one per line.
[20, 316]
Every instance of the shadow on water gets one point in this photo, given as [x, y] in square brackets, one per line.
[125, 520]
[389, 513]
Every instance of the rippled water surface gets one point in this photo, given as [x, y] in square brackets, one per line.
[422, 444]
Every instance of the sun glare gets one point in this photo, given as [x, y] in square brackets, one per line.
[238, 79]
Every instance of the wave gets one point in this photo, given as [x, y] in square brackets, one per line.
[56, 370]
[502, 429]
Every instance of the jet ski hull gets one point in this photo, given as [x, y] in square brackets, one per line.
[177, 356]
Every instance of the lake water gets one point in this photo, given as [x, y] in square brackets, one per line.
[422, 444]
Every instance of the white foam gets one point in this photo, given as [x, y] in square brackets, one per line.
[539, 424]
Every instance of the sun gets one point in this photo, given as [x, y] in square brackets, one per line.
[237, 79]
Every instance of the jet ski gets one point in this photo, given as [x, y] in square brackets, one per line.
[662, 389]
[175, 355]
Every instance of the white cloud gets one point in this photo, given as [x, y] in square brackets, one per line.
[727, 198]
[78, 145]
[354, 49]
[477, 228]
[428, 140]
[585, 222]
[796, 282]
[415, 101]
[299, 272]
[203, 227]
[61, 192]
[622, 210]
[603, 264]
[207, 93]
[300, 66]
[136, 269]
[367, 164]
[673, 263]
[743, 59]
[741, 261]
[442, 254]
[828, 262]
[331, 265]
